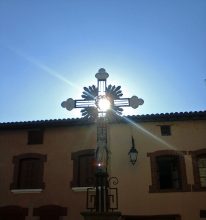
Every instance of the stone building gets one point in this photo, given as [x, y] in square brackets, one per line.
[45, 167]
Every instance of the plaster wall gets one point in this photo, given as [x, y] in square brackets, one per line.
[134, 181]
[58, 145]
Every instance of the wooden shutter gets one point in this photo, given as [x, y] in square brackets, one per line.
[30, 173]
[86, 170]
[13, 213]
[202, 170]
[50, 212]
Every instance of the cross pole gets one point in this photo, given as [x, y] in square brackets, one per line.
[102, 102]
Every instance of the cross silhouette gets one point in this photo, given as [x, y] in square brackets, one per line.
[96, 102]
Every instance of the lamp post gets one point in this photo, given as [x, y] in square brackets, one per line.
[100, 103]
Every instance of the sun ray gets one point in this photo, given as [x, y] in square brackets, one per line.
[148, 133]
[42, 66]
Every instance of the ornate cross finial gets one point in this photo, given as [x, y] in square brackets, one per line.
[93, 96]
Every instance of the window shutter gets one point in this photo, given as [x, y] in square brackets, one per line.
[50, 212]
[86, 170]
[30, 173]
[83, 168]
[202, 171]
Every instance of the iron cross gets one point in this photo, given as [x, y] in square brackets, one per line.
[98, 103]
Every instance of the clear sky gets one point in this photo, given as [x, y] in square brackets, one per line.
[51, 49]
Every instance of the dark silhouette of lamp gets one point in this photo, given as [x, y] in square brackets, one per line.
[133, 153]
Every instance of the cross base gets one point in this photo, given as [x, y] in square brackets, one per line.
[101, 216]
[103, 197]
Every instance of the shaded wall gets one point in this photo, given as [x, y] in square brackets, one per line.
[134, 181]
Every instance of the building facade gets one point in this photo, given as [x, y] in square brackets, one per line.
[47, 166]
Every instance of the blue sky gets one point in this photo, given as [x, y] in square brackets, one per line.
[51, 49]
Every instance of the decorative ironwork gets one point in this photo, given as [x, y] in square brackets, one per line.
[103, 197]
[113, 193]
[90, 93]
[102, 151]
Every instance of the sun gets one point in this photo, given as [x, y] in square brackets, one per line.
[103, 103]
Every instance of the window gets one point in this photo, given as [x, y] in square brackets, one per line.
[201, 163]
[13, 212]
[165, 130]
[28, 171]
[202, 213]
[199, 169]
[50, 212]
[83, 168]
[168, 171]
[35, 136]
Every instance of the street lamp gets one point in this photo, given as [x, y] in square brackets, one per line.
[133, 153]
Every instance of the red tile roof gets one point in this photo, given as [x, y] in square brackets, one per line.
[177, 116]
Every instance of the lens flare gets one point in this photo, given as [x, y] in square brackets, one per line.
[103, 104]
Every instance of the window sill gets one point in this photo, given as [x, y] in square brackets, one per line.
[82, 189]
[198, 188]
[153, 189]
[167, 191]
[18, 191]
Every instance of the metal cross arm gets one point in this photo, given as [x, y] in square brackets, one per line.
[70, 103]
[133, 102]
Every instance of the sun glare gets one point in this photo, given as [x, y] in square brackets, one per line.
[104, 104]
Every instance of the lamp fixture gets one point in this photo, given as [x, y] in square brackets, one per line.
[133, 153]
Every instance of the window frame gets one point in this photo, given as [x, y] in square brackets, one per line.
[75, 157]
[13, 211]
[48, 211]
[168, 165]
[195, 156]
[17, 160]
[203, 213]
[31, 140]
[165, 130]
[155, 186]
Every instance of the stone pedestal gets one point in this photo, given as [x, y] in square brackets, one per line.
[101, 215]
